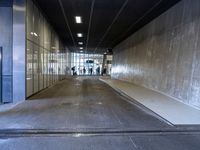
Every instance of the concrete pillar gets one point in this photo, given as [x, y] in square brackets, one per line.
[6, 44]
[12, 41]
[19, 50]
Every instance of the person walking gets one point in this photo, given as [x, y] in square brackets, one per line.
[84, 70]
[91, 70]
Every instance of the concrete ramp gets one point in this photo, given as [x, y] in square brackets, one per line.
[168, 108]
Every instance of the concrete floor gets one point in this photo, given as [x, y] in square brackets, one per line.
[109, 142]
[84, 113]
[80, 103]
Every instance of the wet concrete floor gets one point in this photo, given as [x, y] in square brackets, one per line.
[84, 113]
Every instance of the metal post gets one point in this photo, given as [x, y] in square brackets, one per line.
[1, 51]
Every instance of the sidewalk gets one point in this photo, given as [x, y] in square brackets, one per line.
[168, 108]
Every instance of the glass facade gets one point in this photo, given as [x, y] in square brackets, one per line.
[47, 60]
[86, 64]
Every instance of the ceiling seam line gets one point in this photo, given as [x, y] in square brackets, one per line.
[88, 34]
[67, 23]
[114, 20]
[132, 25]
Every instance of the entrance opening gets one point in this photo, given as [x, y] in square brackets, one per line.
[86, 64]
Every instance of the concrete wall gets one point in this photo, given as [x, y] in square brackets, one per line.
[165, 54]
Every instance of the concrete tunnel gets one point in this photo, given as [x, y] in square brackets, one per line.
[100, 74]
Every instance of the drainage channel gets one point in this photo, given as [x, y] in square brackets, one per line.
[79, 132]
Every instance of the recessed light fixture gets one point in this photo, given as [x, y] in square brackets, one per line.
[79, 35]
[80, 43]
[81, 48]
[33, 33]
[78, 19]
[105, 53]
[81, 51]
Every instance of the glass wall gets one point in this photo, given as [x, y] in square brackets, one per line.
[86, 64]
[46, 57]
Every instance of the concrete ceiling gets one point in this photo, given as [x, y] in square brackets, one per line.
[105, 22]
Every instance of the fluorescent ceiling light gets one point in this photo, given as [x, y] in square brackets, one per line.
[81, 48]
[81, 51]
[79, 34]
[80, 43]
[78, 19]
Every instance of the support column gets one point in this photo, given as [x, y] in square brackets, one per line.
[19, 50]
[6, 44]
